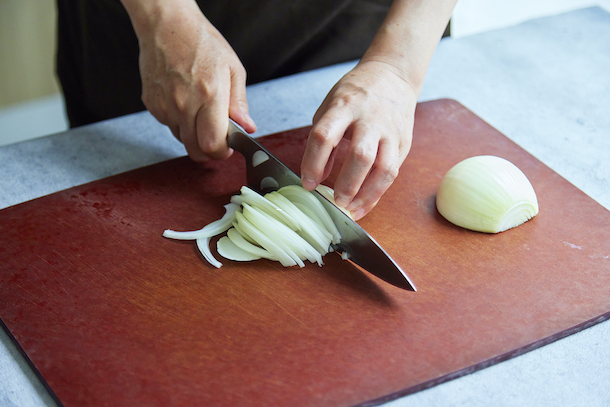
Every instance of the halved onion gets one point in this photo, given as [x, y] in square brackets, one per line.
[486, 194]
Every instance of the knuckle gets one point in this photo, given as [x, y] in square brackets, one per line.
[388, 173]
[363, 154]
[208, 145]
[321, 134]
[207, 91]
[239, 71]
[348, 190]
[181, 101]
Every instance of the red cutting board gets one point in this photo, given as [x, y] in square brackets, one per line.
[111, 313]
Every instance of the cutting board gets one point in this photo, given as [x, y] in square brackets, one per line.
[111, 313]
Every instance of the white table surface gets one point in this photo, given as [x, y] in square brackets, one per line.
[545, 84]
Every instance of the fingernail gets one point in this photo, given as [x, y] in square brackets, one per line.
[354, 205]
[250, 120]
[358, 214]
[342, 201]
[309, 184]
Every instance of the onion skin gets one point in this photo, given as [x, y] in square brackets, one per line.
[486, 194]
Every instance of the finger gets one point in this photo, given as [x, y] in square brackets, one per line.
[382, 175]
[175, 131]
[324, 136]
[361, 156]
[363, 211]
[160, 109]
[329, 164]
[238, 103]
[187, 110]
[212, 122]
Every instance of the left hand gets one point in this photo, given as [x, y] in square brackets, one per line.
[374, 107]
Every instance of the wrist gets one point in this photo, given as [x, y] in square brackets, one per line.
[409, 36]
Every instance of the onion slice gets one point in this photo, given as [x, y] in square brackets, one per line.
[328, 193]
[236, 237]
[255, 199]
[203, 244]
[318, 237]
[210, 230]
[286, 238]
[229, 250]
[284, 258]
[309, 204]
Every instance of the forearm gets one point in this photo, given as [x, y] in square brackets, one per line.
[147, 15]
[408, 37]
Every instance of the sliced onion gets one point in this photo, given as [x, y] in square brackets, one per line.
[229, 250]
[203, 244]
[255, 199]
[329, 193]
[259, 157]
[289, 226]
[286, 238]
[269, 230]
[210, 230]
[264, 241]
[239, 240]
[318, 237]
[305, 201]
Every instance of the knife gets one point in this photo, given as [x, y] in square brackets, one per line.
[266, 173]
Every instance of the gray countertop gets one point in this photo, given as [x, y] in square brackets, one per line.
[545, 84]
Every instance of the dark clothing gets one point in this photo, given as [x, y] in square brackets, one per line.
[97, 58]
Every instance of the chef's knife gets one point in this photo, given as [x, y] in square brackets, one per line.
[266, 173]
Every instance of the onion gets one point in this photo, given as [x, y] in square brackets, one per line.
[212, 229]
[486, 194]
[229, 250]
[203, 244]
[271, 227]
[328, 193]
[265, 242]
[252, 198]
[318, 237]
[238, 240]
[310, 205]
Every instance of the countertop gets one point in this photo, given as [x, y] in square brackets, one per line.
[545, 84]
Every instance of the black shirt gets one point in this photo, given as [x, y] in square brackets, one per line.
[97, 57]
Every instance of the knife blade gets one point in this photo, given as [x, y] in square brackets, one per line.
[265, 173]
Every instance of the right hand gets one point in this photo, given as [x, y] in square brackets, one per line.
[192, 80]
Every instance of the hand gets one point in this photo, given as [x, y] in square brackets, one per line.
[374, 107]
[192, 80]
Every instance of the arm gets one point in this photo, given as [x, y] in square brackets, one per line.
[192, 80]
[374, 106]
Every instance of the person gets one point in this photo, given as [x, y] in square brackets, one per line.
[189, 64]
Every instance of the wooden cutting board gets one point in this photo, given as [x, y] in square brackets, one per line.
[111, 313]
